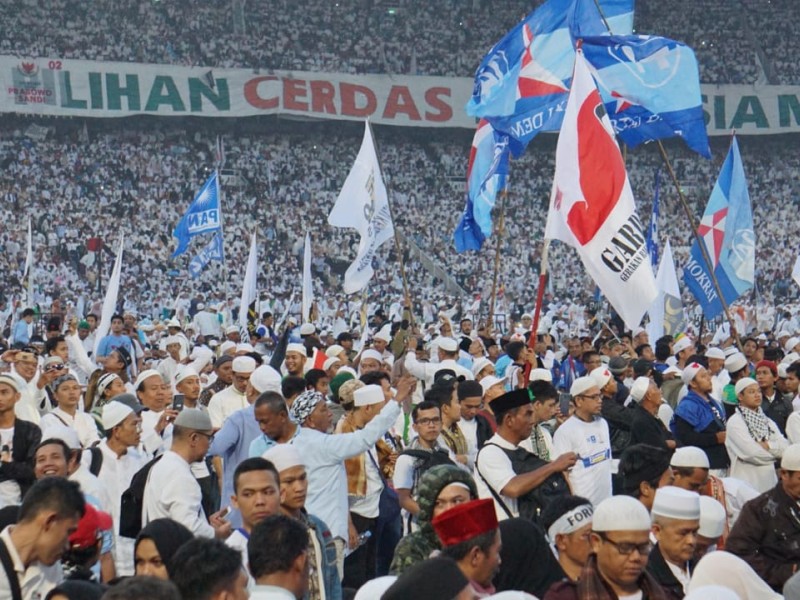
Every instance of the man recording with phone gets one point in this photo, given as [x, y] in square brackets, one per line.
[187, 386]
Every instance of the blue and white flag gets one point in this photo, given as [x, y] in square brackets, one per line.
[727, 232]
[203, 215]
[486, 176]
[652, 231]
[521, 85]
[212, 251]
[651, 88]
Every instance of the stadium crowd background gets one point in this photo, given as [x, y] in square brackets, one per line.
[102, 177]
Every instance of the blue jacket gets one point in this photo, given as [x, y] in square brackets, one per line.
[695, 410]
[327, 558]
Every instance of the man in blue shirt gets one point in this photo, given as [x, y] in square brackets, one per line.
[22, 330]
[115, 339]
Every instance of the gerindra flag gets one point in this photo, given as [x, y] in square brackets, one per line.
[363, 205]
[203, 215]
[592, 207]
[727, 232]
[486, 176]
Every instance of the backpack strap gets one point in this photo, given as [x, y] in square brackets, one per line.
[11, 573]
[495, 495]
[97, 460]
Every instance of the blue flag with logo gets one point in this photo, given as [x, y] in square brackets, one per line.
[203, 215]
[727, 232]
[652, 231]
[486, 176]
[211, 251]
[522, 84]
[650, 86]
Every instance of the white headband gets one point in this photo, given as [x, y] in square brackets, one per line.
[570, 521]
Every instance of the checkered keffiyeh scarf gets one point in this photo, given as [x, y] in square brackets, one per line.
[304, 405]
[757, 422]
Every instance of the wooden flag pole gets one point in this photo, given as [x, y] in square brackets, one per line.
[538, 308]
[700, 243]
[501, 227]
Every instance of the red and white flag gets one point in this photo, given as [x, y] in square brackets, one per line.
[592, 207]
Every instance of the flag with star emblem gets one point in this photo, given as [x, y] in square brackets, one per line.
[651, 88]
[592, 206]
[727, 232]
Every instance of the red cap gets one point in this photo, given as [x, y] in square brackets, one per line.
[465, 521]
[91, 525]
[769, 365]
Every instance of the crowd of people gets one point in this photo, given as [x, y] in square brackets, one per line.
[363, 36]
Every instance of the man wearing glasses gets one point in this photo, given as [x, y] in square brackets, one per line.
[172, 490]
[620, 541]
[586, 434]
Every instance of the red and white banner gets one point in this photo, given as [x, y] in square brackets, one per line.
[592, 207]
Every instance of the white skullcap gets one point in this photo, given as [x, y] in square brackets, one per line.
[299, 348]
[334, 350]
[172, 339]
[676, 503]
[620, 513]
[791, 458]
[375, 588]
[682, 344]
[369, 394]
[541, 375]
[227, 345]
[480, 364]
[114, 413]
[790, 344]
[447, 344]
[245, 347]
[783, 333]
[173, 323]
[265, 379]
[691, 457]
[307, 329]
[185, 373]
[283, 456]
[638, 331]
[383, 335]
[243, 364]
[489, 381]
[639, 388]
[782, 372]
[790, 358]
[582, 385]
[730, 350]
[232, 329]
[713, 518]
[715, 353]
[66, 434]
[601, 375]
[330, 362]
[672, 370]
[690, 372]
[373, 354]
[144, 375]
[743, 383]
[11, 381]
[350, 370]
[735, 362]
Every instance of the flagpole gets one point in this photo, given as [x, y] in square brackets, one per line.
[537, 311]
[397, 247]
[700, 243]
[501, 222]
[221, 234]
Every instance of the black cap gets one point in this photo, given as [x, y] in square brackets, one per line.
[433, 579]
[469, 389]
[511, 400]
[124, 355]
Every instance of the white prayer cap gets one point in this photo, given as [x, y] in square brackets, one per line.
[690, 372]
[713, 518]
[790, 358]
[369, 394]
[791, 458]
[638, 330]
[66, 434]
[245, 347]
[114, 413]
[299, 348]
[782, 373]
[172, 339]
[691, 457]
[730, 350]
[384, 335]
[330, 362]
[244, 364]
[227, 345]
[735, 362]
[334, 350]
[375, 588]
[283, 456]
[266, 379]
[744, 382]
[447, 344]
[639, 388]
[307, 329]
[783, 333]
[714, 352]
[601, 375]
[373, 354]
[173, 323]
[582, 385]
[232, 329]
[676, 503]
[682, 344]
[489, 381]
[672, 370]
[350, 370]
[480, 364]
[144, 375]
[541, 375]
[185, 373]
[620, 513]
[790, 344]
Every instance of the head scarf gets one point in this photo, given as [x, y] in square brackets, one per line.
[304, 405]
[725, 569]
[524, 544]
[168, 536]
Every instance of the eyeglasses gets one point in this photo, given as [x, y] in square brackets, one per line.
[210, 436]
[627, 548]
[429, 421]
[590, 396]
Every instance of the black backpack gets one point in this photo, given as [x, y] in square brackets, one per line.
[97, 460]
[132, 502]
[532, 504]
[427, 459]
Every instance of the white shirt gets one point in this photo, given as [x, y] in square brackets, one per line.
[495, 467]
[793, 427]
[270, 592]
[82, 423]
[173, 492]
[591, 475]
[153, 442]
[427, 371]
[225, 403]
[749, 461]
[35, 581]
[239, 541]
[367, 506]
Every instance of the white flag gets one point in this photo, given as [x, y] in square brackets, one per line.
[666, 311]
[308, 288]
[250, 286]
[592, 207]
[796, 271]
[110, 301]
[363, 205]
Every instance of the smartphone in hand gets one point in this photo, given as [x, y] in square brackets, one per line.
[178, 401]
